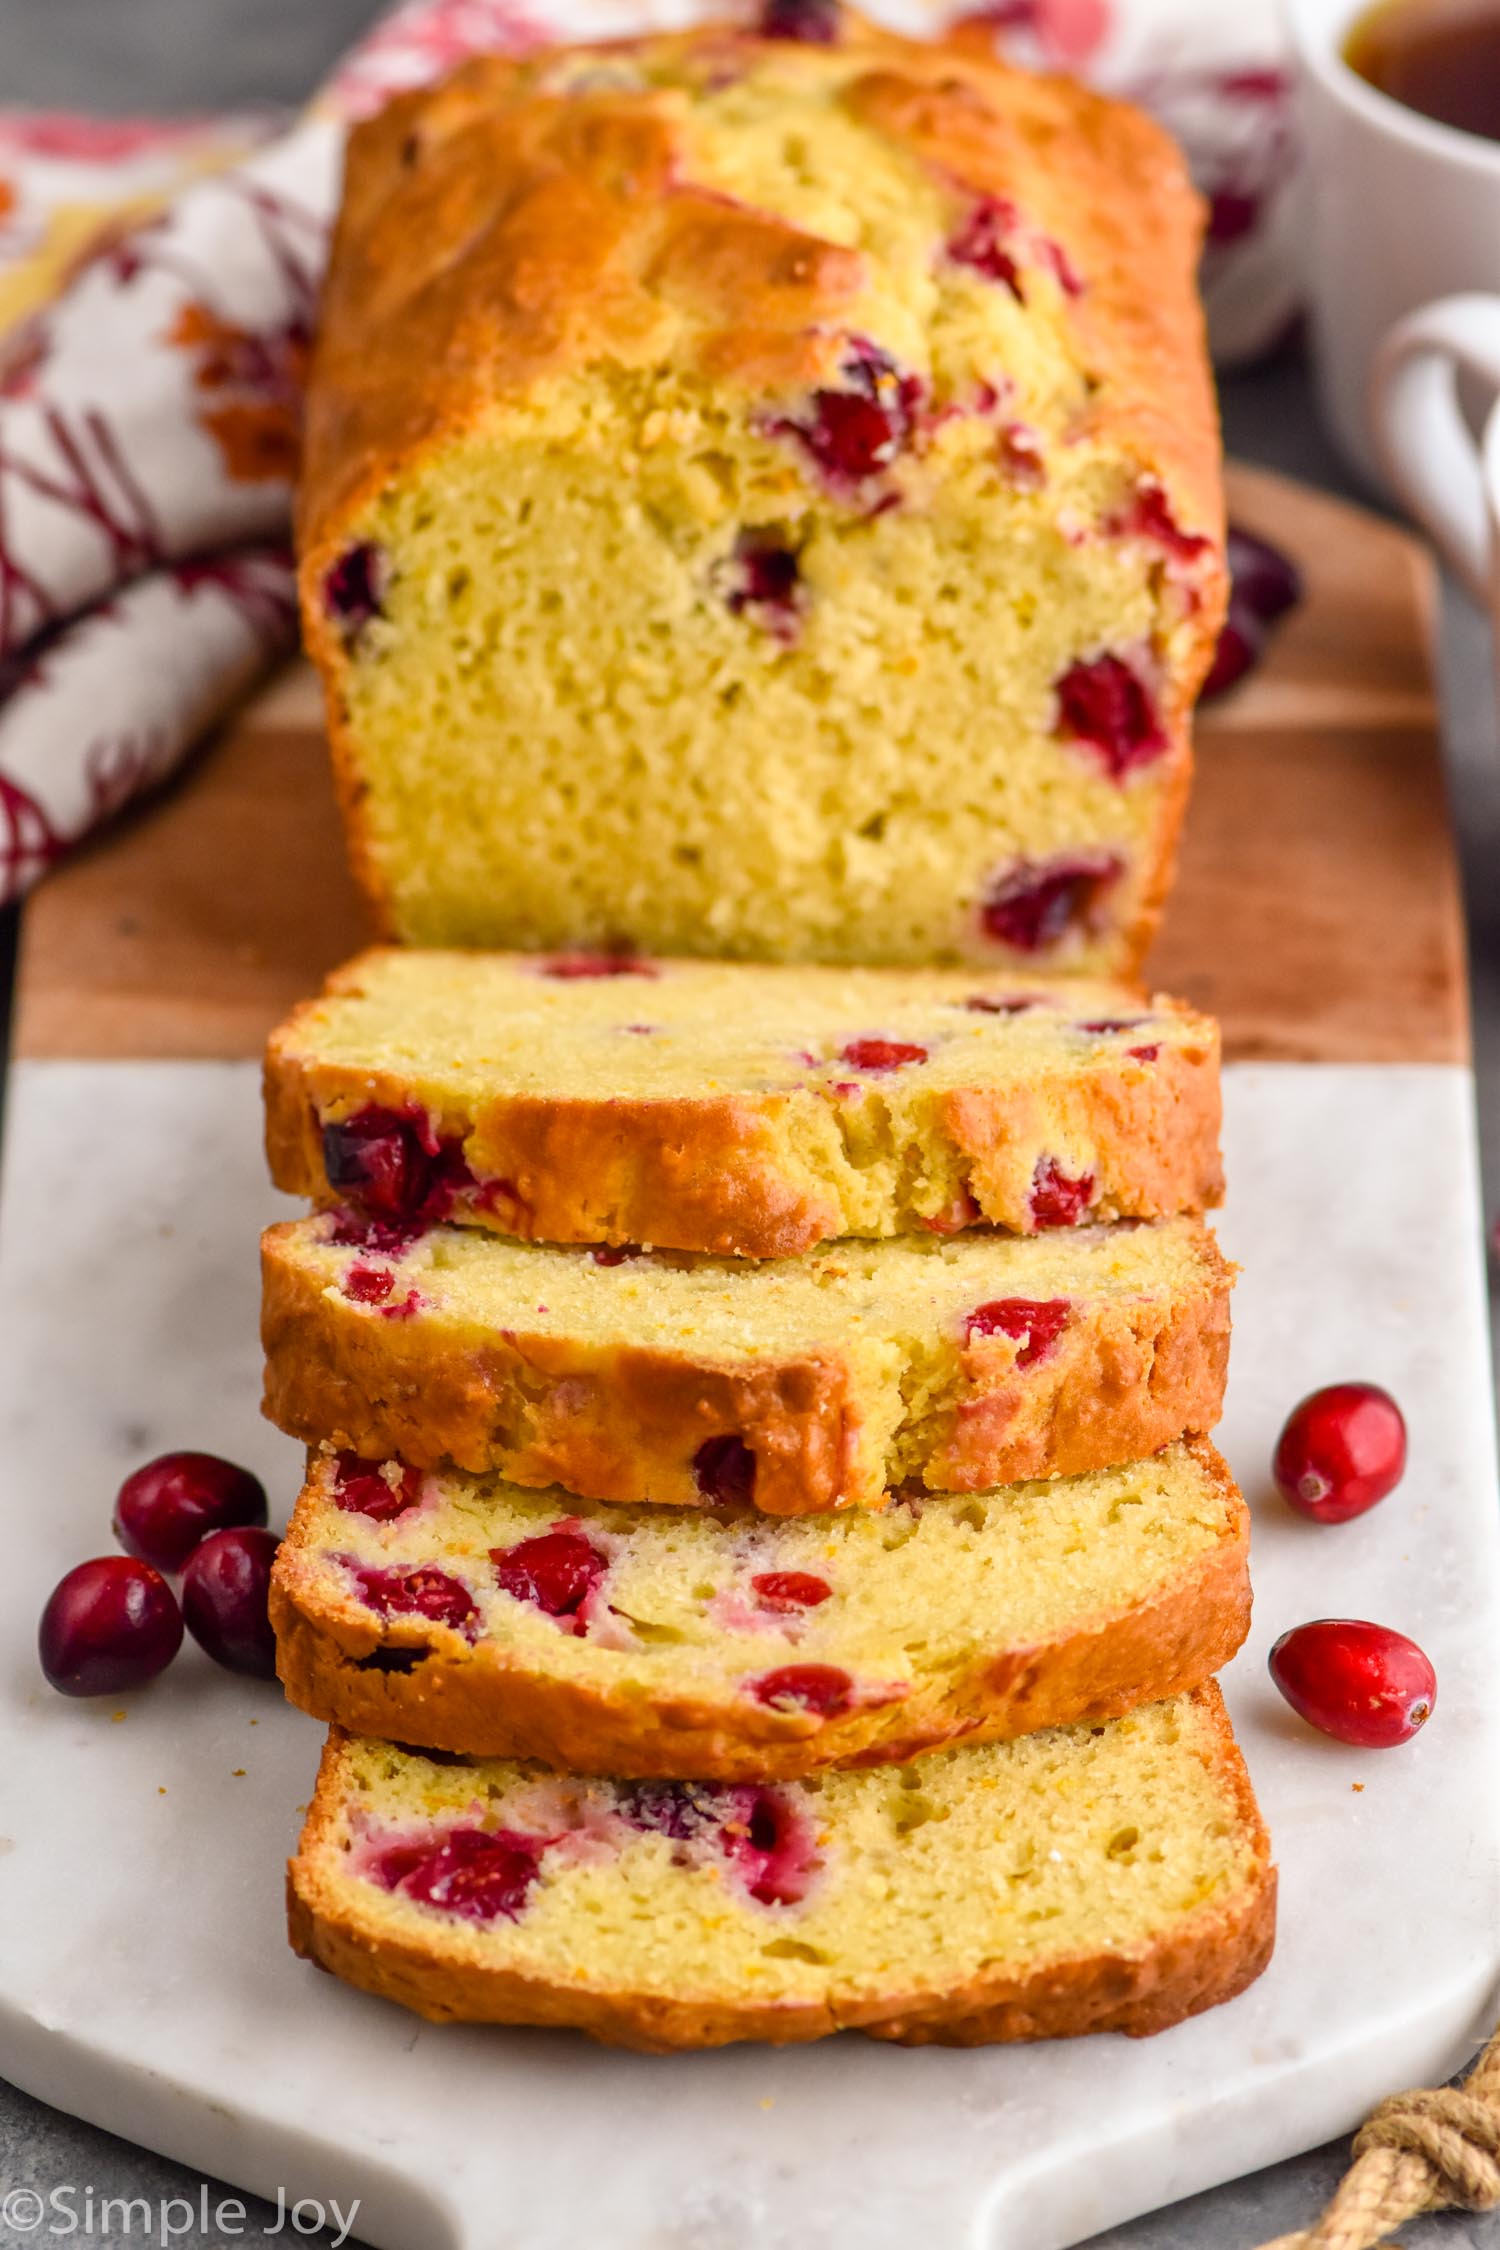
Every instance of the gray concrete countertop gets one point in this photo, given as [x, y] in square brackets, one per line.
[166, 55]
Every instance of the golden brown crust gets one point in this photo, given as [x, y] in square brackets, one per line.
[624, 1422]
[726, 1174]
[482, 1701]
[1209, 1957]
[493, 236]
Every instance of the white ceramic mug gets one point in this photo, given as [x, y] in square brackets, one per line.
[1447, 480]
[1397, 210]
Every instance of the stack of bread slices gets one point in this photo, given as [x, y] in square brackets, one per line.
[762, 1561]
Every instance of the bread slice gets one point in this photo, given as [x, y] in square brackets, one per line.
[1109, 1878]
[800, 1385]
[735, 1109]
[472, 1616]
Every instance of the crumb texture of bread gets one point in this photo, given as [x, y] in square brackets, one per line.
[958, 1363]
[762, 500]
[739, 1109]
[626, 1641]
[1081, 1879]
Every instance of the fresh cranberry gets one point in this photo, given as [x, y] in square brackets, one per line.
[1106, 707]
[1040, 902]
[851, 437]
[1056, 1199]
[881, 1054]
[557, 1571]
[724, 1471]
[1146, 1054]
[1360, 1683]
[762, 1831]
[165, 1508]
[225, 1590]
[1150, 516]
[1231, 216]
[368, 1285]
[1104, 1027]
[853, 434]
[774, 1845]
[814, 22]
[791, 1589]
[482, 1874]
[110, 1624]
[360, 1489]
[378, 1155]
[984, 242]
[1263, 585]
[821, 1688]
[571, 968]
[763, 578]
[770, 570]
[980, 1004]
[1342, 1449]
[1241, 645]
[419, 1591]
[1034, 1324]
[615, 1253]
[449, 1178]
[392, 1167]
[1263, 578]
[354, 588]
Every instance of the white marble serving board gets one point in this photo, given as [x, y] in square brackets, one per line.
[144, 1978]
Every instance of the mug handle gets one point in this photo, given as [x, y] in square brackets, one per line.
[1423, 440]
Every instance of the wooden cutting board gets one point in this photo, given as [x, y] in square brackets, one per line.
[1316, 910]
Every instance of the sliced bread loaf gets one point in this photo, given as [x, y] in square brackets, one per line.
[1110, 1878]
[472, 1616]
[737, 1109]
[800, 1385]
[761, 497]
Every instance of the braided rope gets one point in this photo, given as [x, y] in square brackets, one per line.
[1437, 2149]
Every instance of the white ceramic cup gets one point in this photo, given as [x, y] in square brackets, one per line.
[1447, 479]
[1398, 210]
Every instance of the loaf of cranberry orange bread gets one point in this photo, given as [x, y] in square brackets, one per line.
[738, 1109]
[1109, 1878]
[473, 1616]
[762, 498]
[798, 1384]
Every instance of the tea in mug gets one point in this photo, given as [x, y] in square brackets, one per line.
[1438, 57]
